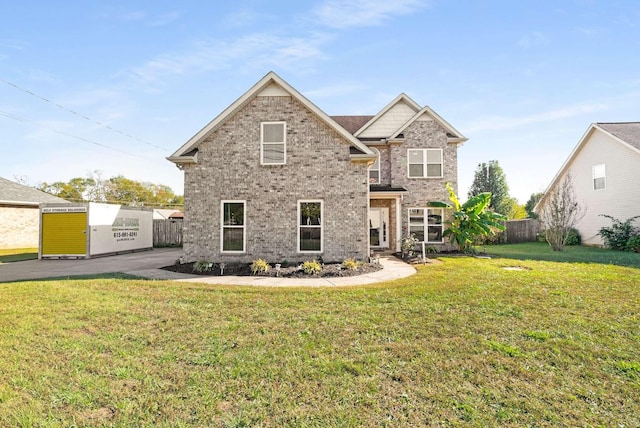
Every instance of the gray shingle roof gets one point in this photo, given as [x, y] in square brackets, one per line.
[352, 123]
[629, 132]
[14, 193]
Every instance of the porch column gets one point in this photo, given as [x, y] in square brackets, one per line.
[398, 222]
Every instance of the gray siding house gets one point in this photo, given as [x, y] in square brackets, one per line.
[605, 169]
[275, 177]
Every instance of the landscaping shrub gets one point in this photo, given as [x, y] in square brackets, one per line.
[633, 244]
[312, 266]
[573, 237]
[259, 266]
[350, 264]
[620, 234]
[203, 266]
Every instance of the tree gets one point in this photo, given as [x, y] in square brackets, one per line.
[471, 219]
[490, 178]
[560, 212]
[118, 190]
[516, 211]
[531, 204]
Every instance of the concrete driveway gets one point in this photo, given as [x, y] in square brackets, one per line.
[139, 263]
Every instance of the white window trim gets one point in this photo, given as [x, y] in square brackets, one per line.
[371, 168]
[244, 226]
[425, 223]
[424, 164]
[262, 143]
[593, 176]
[321, 226]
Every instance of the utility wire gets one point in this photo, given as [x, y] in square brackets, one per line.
[80, 115]
[24, 120]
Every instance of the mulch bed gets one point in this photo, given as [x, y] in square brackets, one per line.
[329, 270]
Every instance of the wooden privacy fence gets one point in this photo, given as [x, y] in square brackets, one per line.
[522, 230]
[167, 233]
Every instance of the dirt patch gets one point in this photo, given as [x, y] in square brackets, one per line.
[329, 270]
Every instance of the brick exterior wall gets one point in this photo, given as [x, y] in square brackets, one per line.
[318, 168]
[424, 134]
[19, 227]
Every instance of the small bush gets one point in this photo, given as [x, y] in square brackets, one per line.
[202, 266]
[618, 235]
[350, 264]
[573, 237]
[259, 266]
[633, 244]
[311, 267]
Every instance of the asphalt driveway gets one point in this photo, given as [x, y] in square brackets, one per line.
[143, 263]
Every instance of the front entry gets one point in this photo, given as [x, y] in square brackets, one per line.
[379, 227]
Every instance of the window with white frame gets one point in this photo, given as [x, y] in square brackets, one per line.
[273, 143]
[233, 234]
[374, 170]
[426, 224]
[599, 177]
[310, 232]
[424, 163]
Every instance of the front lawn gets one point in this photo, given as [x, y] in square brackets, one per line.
[577, 253]
[466, 342]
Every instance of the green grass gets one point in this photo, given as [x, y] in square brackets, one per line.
[572, 254]
[18, 254]
[462, 343]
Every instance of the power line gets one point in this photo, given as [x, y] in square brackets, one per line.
[33, 94]
[86, 140]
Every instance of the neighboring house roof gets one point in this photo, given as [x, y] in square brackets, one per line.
[12, 193]
[628, 132]
[164, 214]
[272, 83]
[625, 133]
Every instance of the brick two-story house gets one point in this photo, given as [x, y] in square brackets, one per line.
[275, 177]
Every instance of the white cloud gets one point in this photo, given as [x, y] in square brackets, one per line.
[496, 123]
[262, 51]
[363, 13]
[533, 39]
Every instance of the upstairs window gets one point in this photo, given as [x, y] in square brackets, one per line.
[233, 236]
[374, 170]
[599, 177]
[273, 143]
[424, 163]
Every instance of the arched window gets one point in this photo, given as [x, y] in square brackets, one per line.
[374, 170]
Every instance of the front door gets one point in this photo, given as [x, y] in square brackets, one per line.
[379, 227]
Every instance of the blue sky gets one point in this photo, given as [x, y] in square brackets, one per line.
[128, 82]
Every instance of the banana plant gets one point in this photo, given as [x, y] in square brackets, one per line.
[470, 220]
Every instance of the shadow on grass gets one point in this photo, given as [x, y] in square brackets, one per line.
[570, 254]
[18, 257]
[111, 275]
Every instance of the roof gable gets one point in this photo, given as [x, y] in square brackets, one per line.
[270, 85]
[453, 135]
[12, 193]
[393, 115]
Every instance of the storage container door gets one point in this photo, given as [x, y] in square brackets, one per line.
[64, 234]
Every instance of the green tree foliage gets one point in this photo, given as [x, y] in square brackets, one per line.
[621, 235]
[489, 178]
[470, 220]
[516, 211]
[531, 204]
[120, 190]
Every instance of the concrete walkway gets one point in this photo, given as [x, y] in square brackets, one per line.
[147, 264]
